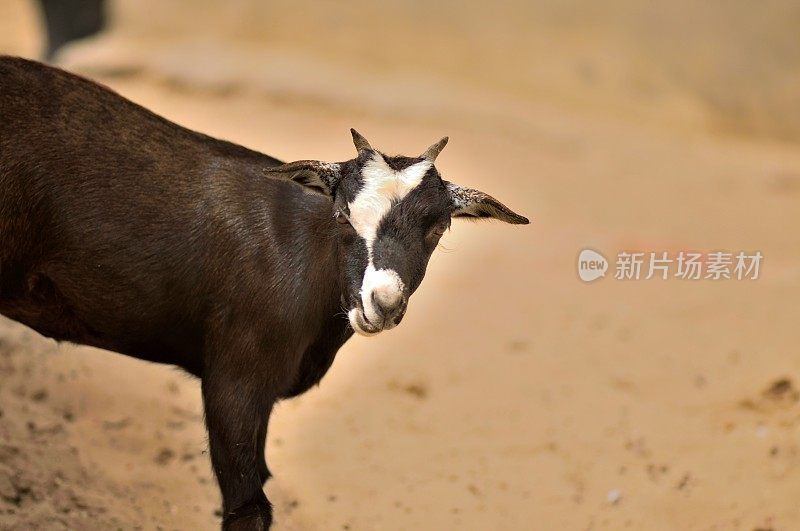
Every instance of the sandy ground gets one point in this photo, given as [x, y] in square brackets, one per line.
[513, 396]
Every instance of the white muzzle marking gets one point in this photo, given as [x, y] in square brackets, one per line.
[384, 285]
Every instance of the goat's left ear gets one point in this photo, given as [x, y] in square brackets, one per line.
[320, 176]
[476, 204]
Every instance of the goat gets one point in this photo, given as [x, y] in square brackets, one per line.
[122, 230]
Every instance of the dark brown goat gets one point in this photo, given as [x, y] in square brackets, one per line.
[122, 230]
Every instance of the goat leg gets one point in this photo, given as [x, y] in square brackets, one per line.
[236, 415]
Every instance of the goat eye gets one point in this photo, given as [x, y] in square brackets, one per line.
[341, 217]
[440, 229]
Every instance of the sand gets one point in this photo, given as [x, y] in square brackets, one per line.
[513, 396]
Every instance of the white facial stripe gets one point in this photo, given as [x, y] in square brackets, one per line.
[382, 185]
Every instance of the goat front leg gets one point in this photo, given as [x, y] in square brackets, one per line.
[236, 411]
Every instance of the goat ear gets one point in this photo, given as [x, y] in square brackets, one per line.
[362, 146]
[320, 176]
[476, 204]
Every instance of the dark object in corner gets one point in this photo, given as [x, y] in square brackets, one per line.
[68, 20]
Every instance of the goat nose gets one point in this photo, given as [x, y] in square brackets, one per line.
[388, 303]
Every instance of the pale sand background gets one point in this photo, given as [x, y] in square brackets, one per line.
[513, 396]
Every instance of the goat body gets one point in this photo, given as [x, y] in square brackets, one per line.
[122, 230]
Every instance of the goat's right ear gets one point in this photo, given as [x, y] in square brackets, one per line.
[320, 176]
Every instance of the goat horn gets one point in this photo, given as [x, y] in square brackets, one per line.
[435, 149]
[360, 142]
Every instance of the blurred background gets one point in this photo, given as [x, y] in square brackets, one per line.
[514, 396]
